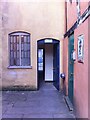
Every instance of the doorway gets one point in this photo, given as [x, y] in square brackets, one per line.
[70, 67]
[48, 62]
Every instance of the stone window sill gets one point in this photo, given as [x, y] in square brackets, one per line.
[20, 67]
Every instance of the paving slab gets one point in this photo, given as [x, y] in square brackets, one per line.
[19, 116]
[44, 103]
[39, 115]
[27, 104]
[69, 116]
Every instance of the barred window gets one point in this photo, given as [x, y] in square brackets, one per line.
[19, 49]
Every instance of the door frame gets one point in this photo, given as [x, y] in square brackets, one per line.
[42, 41]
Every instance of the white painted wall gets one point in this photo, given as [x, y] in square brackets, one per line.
[48, 62]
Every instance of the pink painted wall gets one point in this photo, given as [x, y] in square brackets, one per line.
[71, 14]
[81, 74]
[83, 6]
[80, 69]
[89, 67]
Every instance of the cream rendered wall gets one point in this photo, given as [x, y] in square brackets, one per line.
[0, 61]
[0, 46]
[42, 20]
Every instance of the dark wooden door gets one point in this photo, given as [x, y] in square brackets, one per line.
[70, 67]
[56, 65]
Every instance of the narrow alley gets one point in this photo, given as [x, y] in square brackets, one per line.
[44, 103]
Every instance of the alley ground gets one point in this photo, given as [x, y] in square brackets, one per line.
[45, 103]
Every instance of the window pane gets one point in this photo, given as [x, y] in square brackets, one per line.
[11, 51]
[17, 51]
[25, 59]
[14, 50]
[40, 59]
[15, 47]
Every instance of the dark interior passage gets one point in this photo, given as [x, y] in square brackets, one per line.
[48, 63]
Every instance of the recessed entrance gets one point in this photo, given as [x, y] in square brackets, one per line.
[48, 62]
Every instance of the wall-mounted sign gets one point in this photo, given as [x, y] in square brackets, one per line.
[48, 40]
[80, 48]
